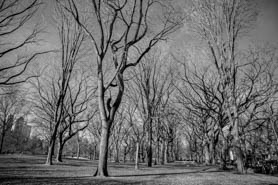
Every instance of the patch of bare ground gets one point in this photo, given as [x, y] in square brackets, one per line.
[27, 169]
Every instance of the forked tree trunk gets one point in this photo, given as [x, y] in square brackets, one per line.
[103, 150]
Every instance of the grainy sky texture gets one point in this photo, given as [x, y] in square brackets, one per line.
[265, 29]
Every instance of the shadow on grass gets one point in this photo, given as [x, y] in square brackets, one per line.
[66, 180]
[169, 174]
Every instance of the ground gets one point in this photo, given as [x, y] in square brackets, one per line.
[27, 169]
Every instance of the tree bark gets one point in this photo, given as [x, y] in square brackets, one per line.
[60, 152]
[117, 153]
[212, 151]
[223, 155]
[137, 156]
[162, 153]
[165, 155]
[2, 140]
[78, 147]
[103, 150]
[95, 152]
[50, 152]
[207, 154]
[149, 147]
[274, 130]
[237, 146]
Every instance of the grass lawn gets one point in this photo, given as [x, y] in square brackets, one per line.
[26, 169]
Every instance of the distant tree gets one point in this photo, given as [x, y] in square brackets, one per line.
[151, 83]
[94, 130]
[34, 146]
[78, 115]
[10, 105]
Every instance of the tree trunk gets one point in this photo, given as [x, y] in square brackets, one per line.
[103, 150]
[207, 154]
[239, 157]
[166, 153]
[157, 152]
[117, 153]
[2, 140]
[274, 130]
[223, 155]
[149, 147]
[212, 151]
[124, 154]
[137, 156]
[95, 152]
[78, 147]
[59, 152]
[50, 152]
[162, 153]
[237, 146]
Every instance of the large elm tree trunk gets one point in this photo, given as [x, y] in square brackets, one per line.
[103, 149]
[238, 150]
[107, 115]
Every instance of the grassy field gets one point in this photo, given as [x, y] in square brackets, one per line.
[24, 169]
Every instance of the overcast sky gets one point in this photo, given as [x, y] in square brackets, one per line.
[267, 23]
[265, 30]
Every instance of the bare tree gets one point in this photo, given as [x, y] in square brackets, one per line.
[78, 114]
[151, 82]
[51, 94]
[121, 27]
[221, 24]
[8, 109]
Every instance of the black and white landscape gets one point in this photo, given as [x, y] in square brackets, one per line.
[138, 92]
